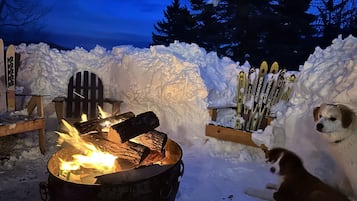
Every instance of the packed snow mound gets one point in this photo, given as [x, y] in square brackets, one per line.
[328, 76]
[176, 82]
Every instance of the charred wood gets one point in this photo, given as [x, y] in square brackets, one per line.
[129, 151]
[98, 124]
[154, 140]
[135, 126]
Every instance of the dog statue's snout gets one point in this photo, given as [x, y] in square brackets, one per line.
[319, 126]
[272, 169]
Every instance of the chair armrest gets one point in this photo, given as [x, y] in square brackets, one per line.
[36, 101]
[213, 110]
[115, 105]
[59, 102]
[59, 99]
[112, 101]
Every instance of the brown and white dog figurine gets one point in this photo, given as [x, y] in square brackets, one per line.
[337, 125]
[297, 184]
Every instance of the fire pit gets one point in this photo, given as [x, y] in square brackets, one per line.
[142, 172]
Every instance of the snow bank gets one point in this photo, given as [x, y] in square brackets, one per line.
[175, 82]
[145, 79]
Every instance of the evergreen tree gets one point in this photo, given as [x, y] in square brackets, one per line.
[179, 25]
[334, 18]
[208, 28]
[243, 25]
[232, 28]
[290, 38]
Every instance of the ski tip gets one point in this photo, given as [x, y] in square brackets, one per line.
[264, 67]
[10, 50]
[274, 67]
[264, 63]
[292, 78]
[10, 47]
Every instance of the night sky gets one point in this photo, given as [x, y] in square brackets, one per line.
[107, 23]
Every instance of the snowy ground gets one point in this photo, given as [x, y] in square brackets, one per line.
[178, 83]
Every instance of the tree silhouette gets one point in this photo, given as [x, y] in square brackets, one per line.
[290, 39]
[17, 16]
[19, 13]
[334, 18]
[209, 30]
[256, 30]
[248, 22]
[179, 25]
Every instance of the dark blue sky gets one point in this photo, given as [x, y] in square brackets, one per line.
[106, 22]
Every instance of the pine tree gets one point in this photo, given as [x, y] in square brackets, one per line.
[179, 25]
[245, 23]
[334, 18]
[208, 28]
[290, 40]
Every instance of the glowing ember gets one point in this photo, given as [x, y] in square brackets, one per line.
[90, 157]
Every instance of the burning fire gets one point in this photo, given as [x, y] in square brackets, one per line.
[98, 149]
[90, 157]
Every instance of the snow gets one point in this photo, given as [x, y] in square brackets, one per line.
[178, 83]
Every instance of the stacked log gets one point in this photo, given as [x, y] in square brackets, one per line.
[133, 140]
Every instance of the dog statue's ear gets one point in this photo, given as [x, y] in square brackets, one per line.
[316, 113]
[347, 115]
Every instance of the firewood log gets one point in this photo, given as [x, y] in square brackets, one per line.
[135, 126]
[130, 151]
[154, 140]
[97, 124]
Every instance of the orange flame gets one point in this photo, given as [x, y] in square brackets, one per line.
[102, 114]
[90, 157]
[106, 124]
[84, 117]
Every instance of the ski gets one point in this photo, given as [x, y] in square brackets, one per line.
[10, 77]
[289, 88]
[248, 97]
[3, 107]
[270, 84]
[279, 88]
[240, 96]
[267, 93]
[260, 83]
[274, 69]
[261, 77]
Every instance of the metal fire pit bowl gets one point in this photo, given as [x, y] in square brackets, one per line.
[149, 183]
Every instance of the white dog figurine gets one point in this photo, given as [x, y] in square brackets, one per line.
[337, 125]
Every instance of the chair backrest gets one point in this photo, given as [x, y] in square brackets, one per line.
[85, 93]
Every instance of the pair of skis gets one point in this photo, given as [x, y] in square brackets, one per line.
[7, 73]
[257, 92]
[262, 95]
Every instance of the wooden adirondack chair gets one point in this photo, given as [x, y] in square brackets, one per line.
[24, 119]
[85, 94]
[13, 124]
